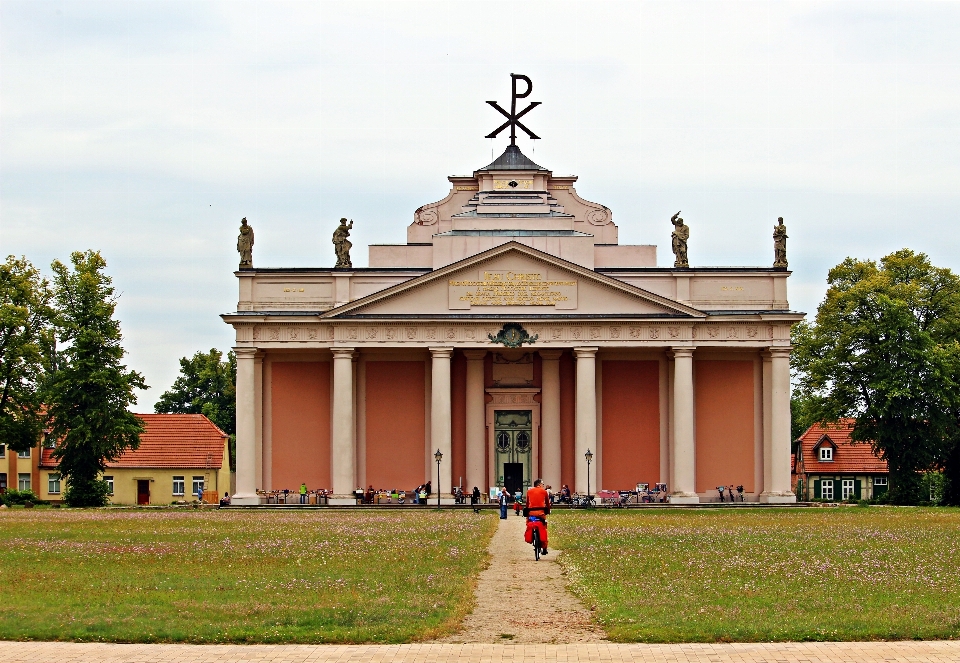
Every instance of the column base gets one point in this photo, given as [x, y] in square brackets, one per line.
[774, 497]
[245, 500]
[684, 498]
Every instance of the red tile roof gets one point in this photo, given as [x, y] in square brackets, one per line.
[848, 458]
[170, 440]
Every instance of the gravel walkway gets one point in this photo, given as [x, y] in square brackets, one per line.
[520, 600]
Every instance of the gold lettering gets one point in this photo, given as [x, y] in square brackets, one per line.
[513, 289]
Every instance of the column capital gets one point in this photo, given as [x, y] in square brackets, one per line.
[585, 352]
[245, 352]
[680, 352]
[441, 353]
[777, 352]
[551, 355]
[474, 355]
[343, 352]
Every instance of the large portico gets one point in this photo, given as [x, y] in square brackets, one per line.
[513, 334]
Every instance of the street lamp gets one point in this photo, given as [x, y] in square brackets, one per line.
[438, 457]
[589, 457]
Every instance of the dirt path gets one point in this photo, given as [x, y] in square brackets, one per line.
[520, 600]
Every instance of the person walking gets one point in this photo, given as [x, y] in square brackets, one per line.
[503, 497]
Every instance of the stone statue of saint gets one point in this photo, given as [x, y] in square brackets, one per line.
[679, 239]
[342, 244]
[780, 244]
[245, 245]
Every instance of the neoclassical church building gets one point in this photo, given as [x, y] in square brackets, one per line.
[513, 333]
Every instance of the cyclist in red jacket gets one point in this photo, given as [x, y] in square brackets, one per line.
[538, 506]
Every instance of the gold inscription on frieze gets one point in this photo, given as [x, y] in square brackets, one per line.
[513, 289]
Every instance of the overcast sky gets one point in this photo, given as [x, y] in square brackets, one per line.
[148, 129]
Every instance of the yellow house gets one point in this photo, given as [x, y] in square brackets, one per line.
[19, 471]
[179, 455]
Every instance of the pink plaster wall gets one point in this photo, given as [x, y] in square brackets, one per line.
[631, 424]
[725, 421]
[300, 400]
[395, 403]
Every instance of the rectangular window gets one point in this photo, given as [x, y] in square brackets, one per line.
[178, 485]
[23, 481]
[48, 441]
[826, 489]
[880, 481]
[23, 454]
[847, 489]
[53, 483]
[3, 451]
[3, 480]
[197, 486]
[109, 481]
[826, 454]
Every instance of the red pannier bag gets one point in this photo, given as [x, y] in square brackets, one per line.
[528, 535]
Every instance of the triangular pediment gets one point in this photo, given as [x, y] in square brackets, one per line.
[514, 279]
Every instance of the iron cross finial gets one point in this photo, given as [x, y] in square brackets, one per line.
[513, 118]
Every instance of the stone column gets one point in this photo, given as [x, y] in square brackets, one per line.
[586, 437]
[550, 418]
[440, 419]
[246, 491]
[682, 454]
[476, 422]
[344, 465]
[258, 415]
[776, 439]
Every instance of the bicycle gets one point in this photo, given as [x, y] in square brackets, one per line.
[536, 544]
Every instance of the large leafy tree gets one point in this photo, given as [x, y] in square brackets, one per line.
[26, 342]
[91, 388]
[206, 385]
[883, 350]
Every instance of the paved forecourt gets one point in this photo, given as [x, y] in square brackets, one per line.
[806, 652]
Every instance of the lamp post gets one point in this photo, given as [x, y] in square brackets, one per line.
[438, 457]
[589, 457]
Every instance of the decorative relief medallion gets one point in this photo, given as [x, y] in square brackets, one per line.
[557, 332]
[432, 333]
[598, 217]
[635, 332]
[426, 217]
[512, 335]
[713, 332]
[274, 333]
[752, 332]
[352, 333]
[312, 333]
[674, 332]
[576, 332]
[411, 333]
[294, 333]
[595, 332]
[451, 333]
[654, 333]
[770, 333]
[731, 332]
[470, 333]
[371, 333]
[256, 332]
[614, 332]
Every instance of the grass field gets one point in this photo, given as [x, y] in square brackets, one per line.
[227, 576]
[751, 575]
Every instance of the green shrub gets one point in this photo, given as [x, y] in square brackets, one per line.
[86, 493]
[12, 497]
[863, 502]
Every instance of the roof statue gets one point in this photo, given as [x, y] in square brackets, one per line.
[780, 244]
[513, 118]
[679, 239]
[342, 245]
[245, 245]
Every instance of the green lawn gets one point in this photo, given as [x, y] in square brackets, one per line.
[230, 576]
[751, 575]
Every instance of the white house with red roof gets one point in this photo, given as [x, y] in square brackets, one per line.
[829, 466]
[179, 454]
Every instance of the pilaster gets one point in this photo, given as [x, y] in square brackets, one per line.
[682, 454]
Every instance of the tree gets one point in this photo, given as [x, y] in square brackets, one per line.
[90, 390]
[883, 350]
[206, 385]
[26, 343]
